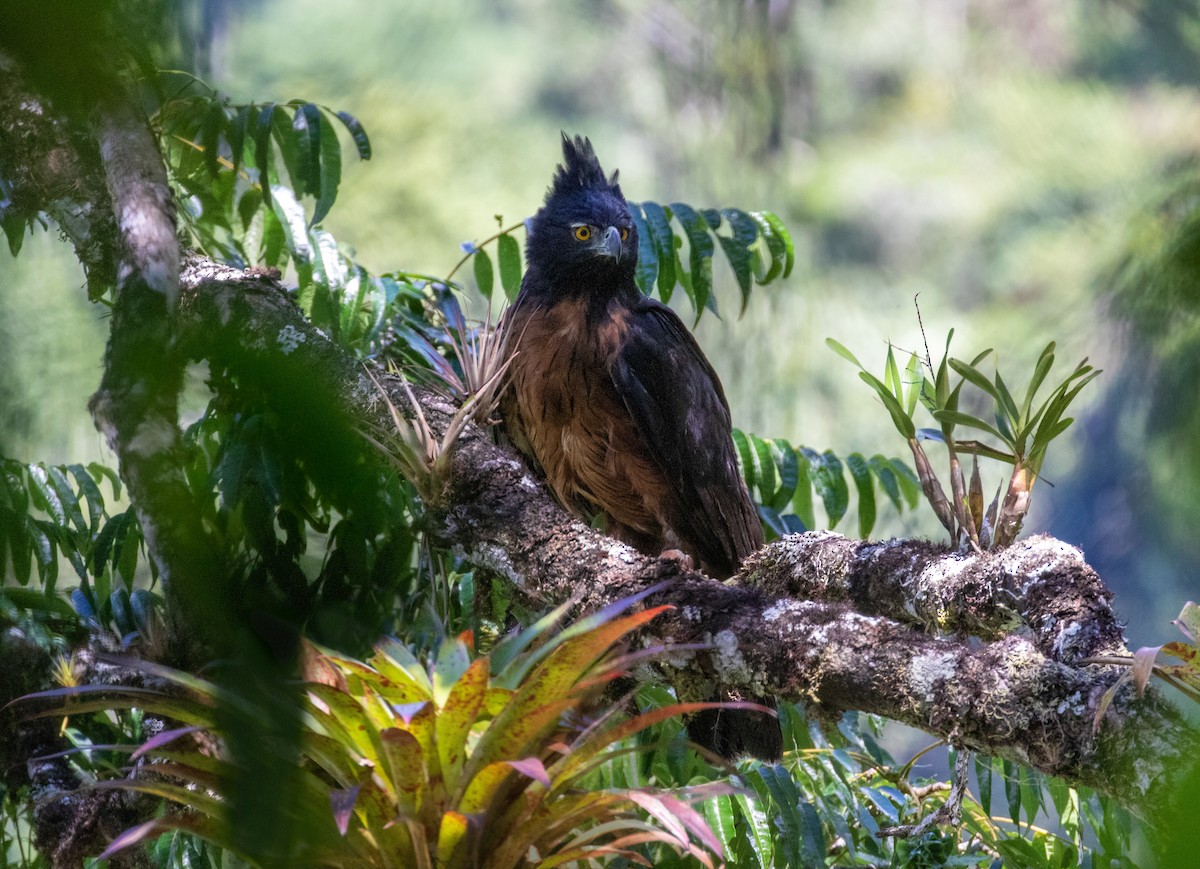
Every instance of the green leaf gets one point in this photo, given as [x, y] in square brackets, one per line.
[983, 776]
[841, 350]
[397, 663]
[99, 698]
[7, 527]
[681, 274]
[250, 232]
[838, 499]
[30, 599]
[860, 471]
[700, 253]
[284, 135]
[43, 551]
[802, 502]
[761, 834]
[67, 496]
[13, 225]
[786, 799]
[941, 387]
[508, 252]
[330, 170]
[974, 376]
[1051, 426]
[770, 517]
[1031, 794]
[954, 417]
[73, 554]
[142, 604]
[910, 485]
[20, 547]
[1012, 790]
[745, 457]
[104, 541]
[779, 245]
[881, 802]
[484, 278]
[235, 134]
[882, 469]
[718, 811]
[453, 659]
[230, 469]
[813, 849]
[647, 264]
[739, 262]
[355, 320]
[346, 715]
[664, 246]
[328, 265]
[361, 142]
[789, 472]
[830, 484]
[44, 496]
[1060, 793]
[1040, 370]
[507, 664]
[903, 423]
[274, 239]
[210, 138]
[766, 468]
[1006, 402]
[306, 127]
[102, 472]
[262, 149]
[916, 383]
[457, 716]
[891, 376]
[122, 616]
[291, 218]
[738, 248]
[126, 552]
[12, 491]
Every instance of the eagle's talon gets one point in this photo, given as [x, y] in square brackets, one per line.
[680, 557]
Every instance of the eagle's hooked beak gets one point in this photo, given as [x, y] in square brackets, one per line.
[611, 245]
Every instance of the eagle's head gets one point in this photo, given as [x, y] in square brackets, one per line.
[583, 239]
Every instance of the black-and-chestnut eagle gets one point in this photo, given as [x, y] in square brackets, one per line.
[613, 399]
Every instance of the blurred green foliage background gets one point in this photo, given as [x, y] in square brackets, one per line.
[1022, 167]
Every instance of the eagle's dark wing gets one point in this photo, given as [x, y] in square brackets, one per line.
[679, 408]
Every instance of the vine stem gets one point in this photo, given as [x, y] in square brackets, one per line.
[458, 265]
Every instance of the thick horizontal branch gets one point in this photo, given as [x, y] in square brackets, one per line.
[1039, 586]
[788, 629]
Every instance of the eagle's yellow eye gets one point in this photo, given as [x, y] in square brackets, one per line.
[624, 233]
[583, 233]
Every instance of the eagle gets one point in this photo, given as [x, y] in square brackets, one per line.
[613, 400]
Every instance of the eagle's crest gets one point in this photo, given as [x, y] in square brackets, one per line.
[581, 170]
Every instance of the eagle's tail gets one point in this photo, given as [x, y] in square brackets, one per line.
[734, 733]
